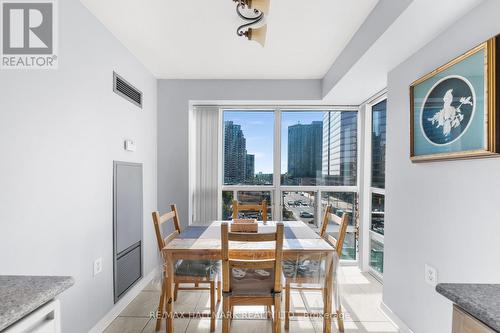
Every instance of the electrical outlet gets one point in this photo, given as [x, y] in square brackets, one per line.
[97, 266]
[431, 275]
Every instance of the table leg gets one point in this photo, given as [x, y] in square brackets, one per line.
[327, 311]
[170, 291]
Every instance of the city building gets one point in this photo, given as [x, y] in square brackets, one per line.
[340, 147]
[249, 168]
[234, 154]
[378, 142]
[304, 150]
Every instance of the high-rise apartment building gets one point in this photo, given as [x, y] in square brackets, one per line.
[305, 150]
[249, 168]
[234, 154]
[340, 147]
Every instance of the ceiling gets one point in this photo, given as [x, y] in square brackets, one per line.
[369, 73]
[197, 39]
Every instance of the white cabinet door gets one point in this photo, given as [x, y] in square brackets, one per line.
[46, 319]
[465, 323]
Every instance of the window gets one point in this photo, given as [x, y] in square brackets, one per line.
[378, 144]
[343, 202]
[300, 206]
[299, 160]
[227, 201]
[255, 197]
[248, 147]
[377, 256]
[318, 148]
[377, 216]
[248, 197]
[377, 189]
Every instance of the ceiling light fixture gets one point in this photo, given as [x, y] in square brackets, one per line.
[253, 11]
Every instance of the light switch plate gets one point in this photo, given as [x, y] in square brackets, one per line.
[431, 275]
[130, 145]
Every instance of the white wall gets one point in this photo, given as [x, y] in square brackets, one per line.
[60, 131]
[443, 213]
[173, 123]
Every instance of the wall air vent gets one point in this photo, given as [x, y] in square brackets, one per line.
[126, 90]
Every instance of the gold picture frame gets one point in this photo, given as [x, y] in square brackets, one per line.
[435, 138]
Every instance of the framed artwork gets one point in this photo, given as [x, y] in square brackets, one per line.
[453, 111]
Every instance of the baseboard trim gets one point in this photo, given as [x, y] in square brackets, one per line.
[122, 304]
[394, 319]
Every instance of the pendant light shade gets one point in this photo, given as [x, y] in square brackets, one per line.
[255, 27]
[261, 5]
[258, 34]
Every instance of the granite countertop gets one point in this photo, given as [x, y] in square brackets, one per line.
[21, 295]
[480, 300]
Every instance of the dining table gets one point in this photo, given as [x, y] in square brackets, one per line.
[204, 243]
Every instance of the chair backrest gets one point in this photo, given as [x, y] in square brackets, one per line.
[341, 221]
[274, 263]
[159, 220]
[262, 208]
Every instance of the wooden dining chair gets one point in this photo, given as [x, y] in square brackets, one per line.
[261, 208]
[186, 271]
[251, 281]
[300, 276]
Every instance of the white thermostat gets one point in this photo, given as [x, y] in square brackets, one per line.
[130, 145]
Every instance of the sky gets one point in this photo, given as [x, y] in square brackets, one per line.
[258, 129]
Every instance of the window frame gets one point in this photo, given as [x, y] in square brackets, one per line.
[369, 190]
[277, 188]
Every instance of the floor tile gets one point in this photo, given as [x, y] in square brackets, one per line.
[374, 286]
[187, 300]
[378, 327]
[251, 326]
[203, 303]
[143, 305]
[203, 325]
[363, 307]
[127, 325]
[301, 325]
[358, 327]
[361, 295]
[359, 279]
[154, 285]
[361, 327]
[349, 270]
[313, 299]
[250, 313]
[180, 325]
[296, 302]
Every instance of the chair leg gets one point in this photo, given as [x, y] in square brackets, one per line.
[161, 308]
[212, 306]
[269, 312]
[340, 319]
[327, 301]
[287, 305]
[219, 291]
[176, 290]
[277, 314]
[196, 285]
[226, 309]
